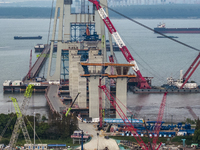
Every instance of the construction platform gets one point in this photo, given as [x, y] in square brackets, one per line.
[137, 90]
[22, 88]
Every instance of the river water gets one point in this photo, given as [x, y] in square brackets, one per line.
[156, 57]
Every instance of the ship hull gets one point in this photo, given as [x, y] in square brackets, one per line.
[27, 37]
[178, 30]
[143, 91]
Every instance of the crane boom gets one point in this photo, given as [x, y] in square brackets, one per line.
[159, 120]
[20, 120]
[4, 130]
[142, 81]
[19, 123]
[69, 109]
[124, 117]
[191, 69]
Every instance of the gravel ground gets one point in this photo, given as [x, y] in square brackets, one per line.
[98, 142]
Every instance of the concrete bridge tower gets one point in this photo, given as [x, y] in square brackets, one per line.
[70, 21]
[69, 25]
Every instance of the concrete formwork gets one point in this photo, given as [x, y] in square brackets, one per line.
[94, 57]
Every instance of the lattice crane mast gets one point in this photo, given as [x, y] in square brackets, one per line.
[4, 130]
[142, 81]
[20, 120]
[124, 117]
[159, 120]
[69, 109]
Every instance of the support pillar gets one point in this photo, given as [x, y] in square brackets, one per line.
[94, 96]
[82, 88]
[121, 94]
[74, 59]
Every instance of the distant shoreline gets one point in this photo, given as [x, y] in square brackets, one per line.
[137, 11]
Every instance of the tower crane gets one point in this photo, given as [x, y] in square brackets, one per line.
[20, 120]
[142, 81]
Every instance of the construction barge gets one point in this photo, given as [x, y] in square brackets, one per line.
[172, 86]
[160, 90]
[19, 86]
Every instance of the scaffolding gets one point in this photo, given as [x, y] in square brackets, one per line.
[65, 64]
[78, 30]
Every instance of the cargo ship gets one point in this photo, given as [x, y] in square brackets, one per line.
[167, 37]
[27, 37]
[162, 29]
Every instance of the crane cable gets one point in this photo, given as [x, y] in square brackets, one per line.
[32, 128]
[193, 48]
[152, 73]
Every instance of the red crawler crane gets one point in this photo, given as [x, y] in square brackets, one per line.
[159, 120]
[142, 81]
[30, 65]
[126, 121]
[100, 105]
[124, 118]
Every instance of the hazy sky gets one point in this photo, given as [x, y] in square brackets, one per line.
[128, 1]
[21, 0]
[187, 1]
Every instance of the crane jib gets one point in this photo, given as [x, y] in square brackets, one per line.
[109, 25]
[122, 115]
[120, 43]
[106, 20]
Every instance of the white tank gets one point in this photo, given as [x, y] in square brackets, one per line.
[41, 46]
[7, 83]
[17, 83]
[187, 85]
